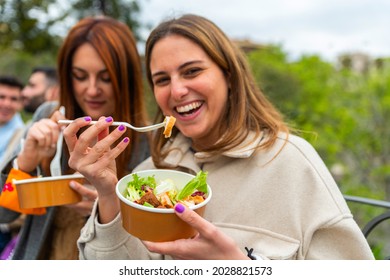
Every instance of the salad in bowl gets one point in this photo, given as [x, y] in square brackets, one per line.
[147, 199]
[149, 192]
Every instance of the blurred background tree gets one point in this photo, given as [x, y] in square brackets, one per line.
[23, 28]
[123, 10]
[31, 31]
[341, 110]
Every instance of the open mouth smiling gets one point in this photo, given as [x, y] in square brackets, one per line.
[189, 109]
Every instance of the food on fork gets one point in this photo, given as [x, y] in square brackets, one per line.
[140, 129]
[169, 123]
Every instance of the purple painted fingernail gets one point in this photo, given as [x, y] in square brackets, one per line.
[126, 139]
[121, 127]
[87, 119]
[109, 119]
[179, 208]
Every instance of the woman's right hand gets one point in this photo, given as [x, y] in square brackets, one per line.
[91, 155]
[209, 244]
[40, 142]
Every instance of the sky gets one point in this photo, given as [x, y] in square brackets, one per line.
[327, 28]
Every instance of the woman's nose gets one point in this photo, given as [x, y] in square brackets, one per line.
[178, 89]
[92, 88]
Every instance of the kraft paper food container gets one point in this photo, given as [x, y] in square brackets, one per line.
[48, 191]
[157, 224]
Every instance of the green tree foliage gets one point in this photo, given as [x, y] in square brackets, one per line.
[299, 89]
[32, 25]
[367, 150]
[275, 78]
[31, 31]
[342, 112]
[124, 10]
[22, 28]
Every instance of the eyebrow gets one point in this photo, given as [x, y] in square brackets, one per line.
[180, 67]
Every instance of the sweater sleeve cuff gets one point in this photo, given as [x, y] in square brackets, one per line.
[108, 235]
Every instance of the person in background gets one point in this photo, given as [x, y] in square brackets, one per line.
[11, 123]
[11, 129]
[273, 197]
[100, 74]
[42, 86]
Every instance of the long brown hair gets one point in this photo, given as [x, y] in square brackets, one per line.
[116, 45]
[247, 108]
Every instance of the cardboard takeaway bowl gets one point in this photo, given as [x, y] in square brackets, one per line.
[156, 224]
[48, 191]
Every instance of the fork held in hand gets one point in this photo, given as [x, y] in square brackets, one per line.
[140, 129]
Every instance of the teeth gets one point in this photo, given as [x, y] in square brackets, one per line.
[188, 107]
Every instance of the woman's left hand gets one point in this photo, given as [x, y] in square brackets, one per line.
[210, 243]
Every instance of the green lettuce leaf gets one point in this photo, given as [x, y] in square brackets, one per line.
[134, 188]
[197, 183]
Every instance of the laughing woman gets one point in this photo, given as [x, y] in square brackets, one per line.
[273, 197]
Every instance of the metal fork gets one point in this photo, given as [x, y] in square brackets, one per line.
[140, 129]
